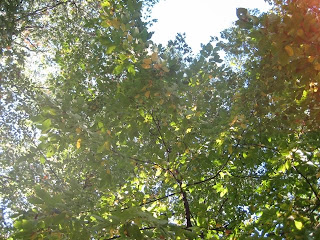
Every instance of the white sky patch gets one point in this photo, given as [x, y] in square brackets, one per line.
[199, 19]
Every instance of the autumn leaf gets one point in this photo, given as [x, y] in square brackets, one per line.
[79, 143]
[311, 59]
[159, 138]
[289, 50]
[154, 57]
[145, 66]
[300, 32]
[147, 61]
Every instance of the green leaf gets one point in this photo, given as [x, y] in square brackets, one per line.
[42, 194]
[42, 160]
[131, 69]
[111, 49]
[134, 232]
[49, 153]
[35, 200]
[118, 69]
[46, 124]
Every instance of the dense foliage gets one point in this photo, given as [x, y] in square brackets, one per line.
[106, 135]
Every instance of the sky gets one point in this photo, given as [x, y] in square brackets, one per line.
[199, 19]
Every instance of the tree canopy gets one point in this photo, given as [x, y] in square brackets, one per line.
[107, 135]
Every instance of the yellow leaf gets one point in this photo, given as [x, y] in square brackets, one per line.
[147, 94]
[188, 130]
[145, 66]
[223, 192]
[109, 132]
[161, 101]
[105, 4]
[157, 94]
[154, 57]
[78, 130]
[79, 143]
[289, 50]
[318, 175]
[234, 120]
[158, 173]
[298, 224]
[108, 171]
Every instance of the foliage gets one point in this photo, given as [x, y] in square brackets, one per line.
[108, 135]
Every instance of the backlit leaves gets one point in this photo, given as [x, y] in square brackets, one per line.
[128, 139]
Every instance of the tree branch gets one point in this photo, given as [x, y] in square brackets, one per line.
[186, 207]
[140, 161]
[42, 10]
[218, 172]
[308, 182]
[156, 122]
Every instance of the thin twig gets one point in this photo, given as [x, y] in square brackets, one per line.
[42, 10]
[156, 122]
[140, 161]
[308, 182]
